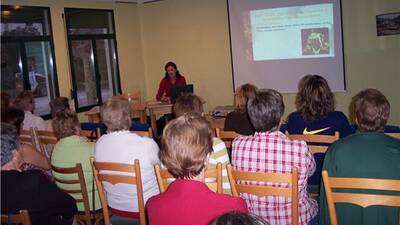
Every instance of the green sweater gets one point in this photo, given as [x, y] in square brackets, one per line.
[364, 155]
[67, 153]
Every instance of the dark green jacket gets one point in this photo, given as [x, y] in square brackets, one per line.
[365, 155]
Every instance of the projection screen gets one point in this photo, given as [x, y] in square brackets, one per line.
[275, 43]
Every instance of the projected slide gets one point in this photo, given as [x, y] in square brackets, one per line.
[292, 32]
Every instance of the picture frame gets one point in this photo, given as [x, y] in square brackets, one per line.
[388, 24]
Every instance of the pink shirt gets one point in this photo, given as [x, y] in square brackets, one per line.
[190, 202]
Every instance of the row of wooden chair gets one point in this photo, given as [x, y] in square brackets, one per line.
[236, 178]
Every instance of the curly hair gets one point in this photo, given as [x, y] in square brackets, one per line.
[314, 98]
[9, 142]
[65, 123]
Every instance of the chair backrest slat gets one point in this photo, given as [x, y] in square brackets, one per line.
[214, 175]
[248, 182]
[262, 177]
[395, 135]
[117, 179]
[148, 133]
[105, 172]
[21, 218]
[315, 138]
[361, 199]
[261, 190]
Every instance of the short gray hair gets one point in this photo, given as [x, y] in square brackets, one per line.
[9, 142]
[116, 114]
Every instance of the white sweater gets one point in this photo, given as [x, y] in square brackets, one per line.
[125, 147]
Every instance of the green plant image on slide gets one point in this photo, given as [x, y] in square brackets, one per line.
[315, 41]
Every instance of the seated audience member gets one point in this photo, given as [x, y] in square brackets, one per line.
[269, 150]
[190, 103]
[238, 120]
[121, 146]
[72, 149]
[32, 158]
[186, 147]
[369, 153]
[31, 189]
[237, 218]
[58, 104]
[316, 113]
[25, 101]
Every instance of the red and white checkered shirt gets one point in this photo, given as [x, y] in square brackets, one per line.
[274, 152]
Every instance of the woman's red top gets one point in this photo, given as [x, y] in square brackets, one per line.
[166, 85]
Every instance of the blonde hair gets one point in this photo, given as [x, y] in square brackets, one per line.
[115, 114]
[242, 95]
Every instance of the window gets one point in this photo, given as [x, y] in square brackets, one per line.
[27, 54]
[93, 56]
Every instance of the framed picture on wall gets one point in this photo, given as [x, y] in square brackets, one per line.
[388, 24]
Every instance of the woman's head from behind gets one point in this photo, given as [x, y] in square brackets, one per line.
[10, 145]
[116, 114]
[242, 95]
[314, 98]
[188, 103]
[65, 123]
[25, 101]
[186, 145]
[58, 104]
[371, 110]
[237, 218]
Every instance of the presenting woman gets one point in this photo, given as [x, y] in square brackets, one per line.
[172, 78]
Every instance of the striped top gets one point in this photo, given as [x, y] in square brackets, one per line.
[220, 155]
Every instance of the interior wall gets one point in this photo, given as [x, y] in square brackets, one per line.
[128, 36]
[195, 35]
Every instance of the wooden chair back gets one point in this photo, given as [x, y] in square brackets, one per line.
[92, 135]
[262, 190]
[148, 133]
[21, 218]
[213, 178]
[79, 191]
[361, 199]
[395, 135]
[313, 140]
[226, 136]
[45, 137]
[134, 178]
[27, 137]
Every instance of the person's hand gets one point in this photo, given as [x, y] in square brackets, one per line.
[166, 99]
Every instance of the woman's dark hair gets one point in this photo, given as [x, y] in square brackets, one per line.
[238, 218]
[265, 110]
[314, 98]
[14, 117]
[178, 75]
